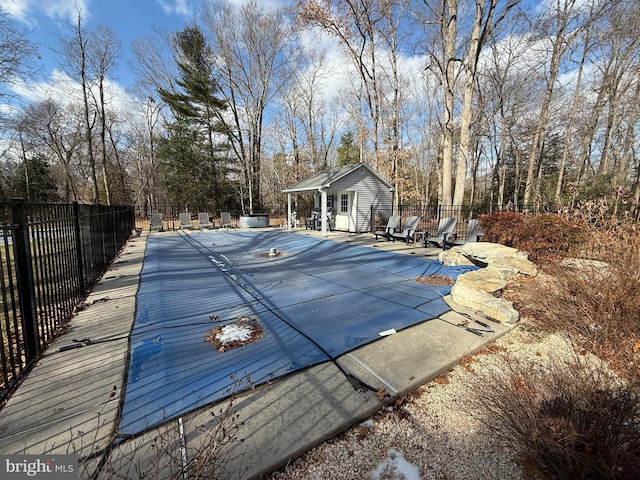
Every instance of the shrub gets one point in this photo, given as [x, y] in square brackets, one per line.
[596, 302]
[568, 419]
[502, 227]
[550, 237]
[545, 237]
[175, 450]
[575, 419]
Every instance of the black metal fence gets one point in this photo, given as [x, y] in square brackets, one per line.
[51, 255]
[170, 215]
[430, 216]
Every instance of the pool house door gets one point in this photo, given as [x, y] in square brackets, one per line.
[345, 211]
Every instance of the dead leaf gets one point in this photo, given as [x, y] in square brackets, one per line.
[520, 383]
[381, 393]
[250, 324]
[435, 280]
[465, 363]
[441, 380]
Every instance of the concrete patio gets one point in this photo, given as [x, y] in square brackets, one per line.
[71, 402]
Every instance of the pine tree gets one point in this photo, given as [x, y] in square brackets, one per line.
[35, 181]
[347, 152]
[192, 156]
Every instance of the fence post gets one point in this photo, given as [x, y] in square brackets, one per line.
[24, 279]
[372, 226]
[79, 251]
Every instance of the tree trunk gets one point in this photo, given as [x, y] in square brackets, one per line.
[88, 122]
[535, 152]
[563, 38]
[449, 38]
[630, 138]
[103, 141]
[572, 117]
[478, 37]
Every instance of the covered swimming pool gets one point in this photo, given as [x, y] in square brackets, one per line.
[309, 301]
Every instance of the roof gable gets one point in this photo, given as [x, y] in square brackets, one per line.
[324, 178]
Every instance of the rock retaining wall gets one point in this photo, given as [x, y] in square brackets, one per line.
[481, 290]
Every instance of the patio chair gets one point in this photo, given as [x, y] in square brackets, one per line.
[445, 230]
[185, 220]
[308, 223]
[329, 223]
[203, 220]
[155, 223]
[314, 222]
[392, 225]
[225, 220]
[408, 231]
[473, 234]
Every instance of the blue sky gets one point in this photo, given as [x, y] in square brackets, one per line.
[47, 21]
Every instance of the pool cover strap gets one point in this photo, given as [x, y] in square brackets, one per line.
[357, 384]
[315, 301]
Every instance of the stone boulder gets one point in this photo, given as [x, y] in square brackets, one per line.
[477, 300]
[453, 257]
[491, 280]
[481, 290]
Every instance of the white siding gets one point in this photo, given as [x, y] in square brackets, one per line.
[371, 192]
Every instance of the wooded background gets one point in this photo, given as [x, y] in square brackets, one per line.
[455, 102]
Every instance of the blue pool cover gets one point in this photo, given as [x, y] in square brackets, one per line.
[316, 300]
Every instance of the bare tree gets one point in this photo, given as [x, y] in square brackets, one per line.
[102, 54]
[76, 52]
[253, 62]
[16, 52]
[141, 154]
[506, 87]
[440, 22]
[575, 108]
[488, 15]
[152, 67]
[58, 130]
[306, 125]
[318, 117]
[305, 113]
[422, 131]
[389, 30]
[620, 43]
[561, 25]
[453, 45]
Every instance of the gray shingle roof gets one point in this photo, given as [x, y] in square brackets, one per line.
[325, 178]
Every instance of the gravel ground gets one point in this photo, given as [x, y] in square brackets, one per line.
[434, 428]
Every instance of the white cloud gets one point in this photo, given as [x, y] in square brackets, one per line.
[175, 7]
[23, 10]
[64, 9]
[59, 87]
[66, 91]
[15, 8]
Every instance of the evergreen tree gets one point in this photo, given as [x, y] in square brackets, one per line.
[194, 167]
[34, 181]
[348, 153]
